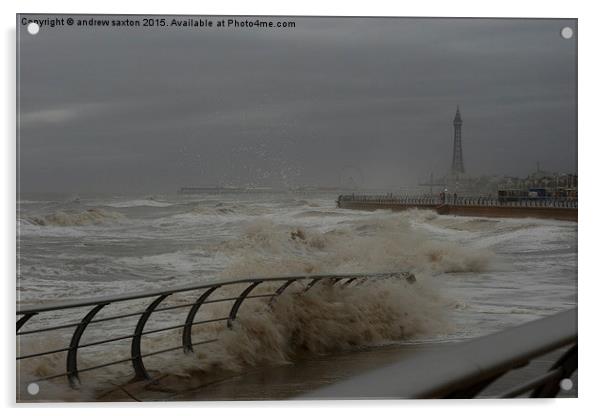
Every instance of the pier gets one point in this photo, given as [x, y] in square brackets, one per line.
[545, 208]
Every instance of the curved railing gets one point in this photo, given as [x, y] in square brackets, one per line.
[156, 298]
[389, 199]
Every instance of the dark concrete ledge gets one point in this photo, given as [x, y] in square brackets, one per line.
[500, 211]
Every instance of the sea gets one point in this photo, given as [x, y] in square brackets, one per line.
[474, 276]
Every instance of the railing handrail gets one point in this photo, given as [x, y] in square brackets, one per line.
[184, 288]
[136, 355]
[460, 200]
[463, 370]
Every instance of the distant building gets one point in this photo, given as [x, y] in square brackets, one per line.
[544, 183]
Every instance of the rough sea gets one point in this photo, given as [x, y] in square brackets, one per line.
[474, 276]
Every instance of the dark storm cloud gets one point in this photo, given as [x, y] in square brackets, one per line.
[152, 110]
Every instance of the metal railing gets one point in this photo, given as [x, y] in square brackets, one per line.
[464, 370]
[136, 356]
[390, 199]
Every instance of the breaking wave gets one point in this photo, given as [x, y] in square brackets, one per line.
[333, 319]
[217, 209]
[326, 319]
[92, 216]
[139, 203]
[305, 203]
[383, 244]
[318, 214]
[224, 209]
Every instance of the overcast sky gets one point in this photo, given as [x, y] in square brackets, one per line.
[150, 110]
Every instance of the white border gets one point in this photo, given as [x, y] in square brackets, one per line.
[590, 151]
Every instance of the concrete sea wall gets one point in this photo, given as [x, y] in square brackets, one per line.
[555, 213]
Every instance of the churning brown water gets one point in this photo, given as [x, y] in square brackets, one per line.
[474, 276]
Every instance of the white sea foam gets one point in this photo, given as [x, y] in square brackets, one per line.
[138, 203]
[380, 244]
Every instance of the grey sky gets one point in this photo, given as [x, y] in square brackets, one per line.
[118, 109]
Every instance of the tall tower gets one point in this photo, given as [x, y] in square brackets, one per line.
[457, 162]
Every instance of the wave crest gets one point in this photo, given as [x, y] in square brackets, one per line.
[329, 319]
[91, 216]
[374, 245]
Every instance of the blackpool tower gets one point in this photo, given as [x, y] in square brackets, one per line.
[457, 162]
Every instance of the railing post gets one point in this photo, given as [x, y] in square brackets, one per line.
[280, 290]
[74, 344]
[310, 285]
[187, 331]
[23, 320]
[239, 302]
[140, 371]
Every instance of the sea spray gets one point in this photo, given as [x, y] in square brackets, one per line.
[332, 319]
[325, 319]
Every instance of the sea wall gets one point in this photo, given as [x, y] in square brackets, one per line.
[555, 213]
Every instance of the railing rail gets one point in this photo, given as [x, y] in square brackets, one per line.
[28, 314]
[464, 370]
[387, 199]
